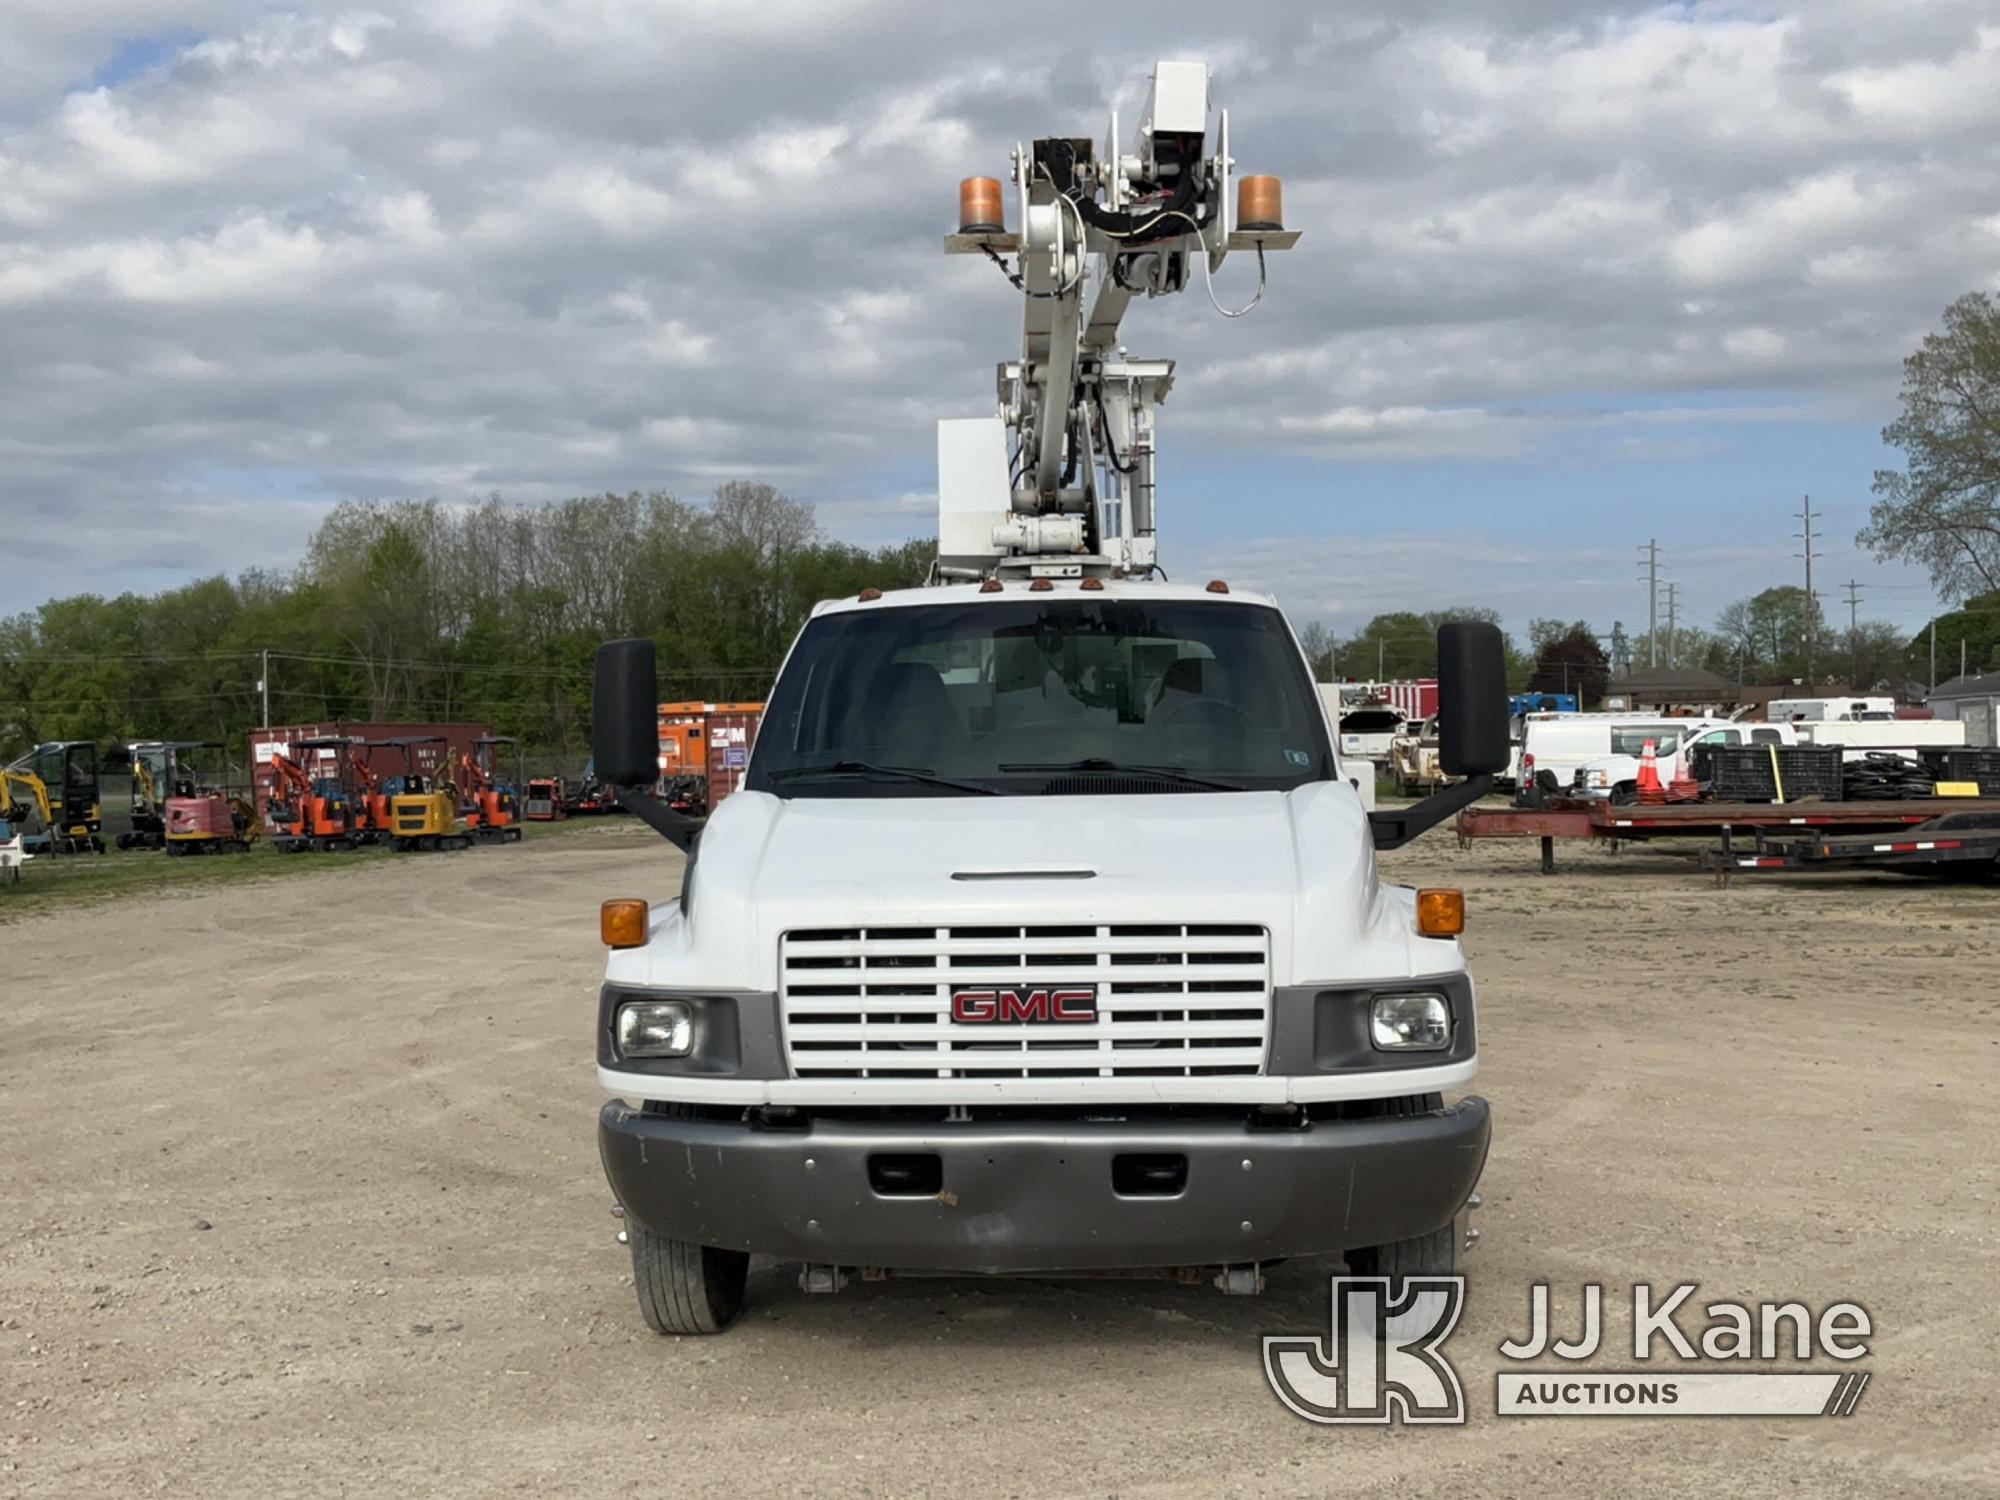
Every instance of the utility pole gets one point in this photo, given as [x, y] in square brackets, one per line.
[264, 686]
[1381, 652]
[1812, 609]
[1673, 599]
[1933, 653]
[1652, 551]
[1853, 631]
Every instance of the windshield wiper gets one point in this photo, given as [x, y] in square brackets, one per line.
[888, 773]
[1098, 764]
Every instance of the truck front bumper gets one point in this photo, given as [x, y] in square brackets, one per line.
[1041, 1196]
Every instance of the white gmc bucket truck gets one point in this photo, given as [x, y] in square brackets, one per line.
[1046, 934]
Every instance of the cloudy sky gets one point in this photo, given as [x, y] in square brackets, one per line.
[1573, 275]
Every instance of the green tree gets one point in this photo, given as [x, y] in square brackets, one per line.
[1769, 634]
[1942, 509]
[1970, 634]
[1568, 659]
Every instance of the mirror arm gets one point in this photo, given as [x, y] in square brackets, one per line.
[1396, 826]
[676, 828]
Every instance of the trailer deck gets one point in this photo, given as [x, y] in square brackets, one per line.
[1719, 820]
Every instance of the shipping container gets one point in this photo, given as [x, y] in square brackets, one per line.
[458, 740]
[710, 740]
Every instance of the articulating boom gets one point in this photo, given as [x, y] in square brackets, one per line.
[1075, 490]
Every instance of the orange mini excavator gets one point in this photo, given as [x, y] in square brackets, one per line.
[310, 813]
[371, 803]
[491, 810]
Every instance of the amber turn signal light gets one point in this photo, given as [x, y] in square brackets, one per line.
[1440, 913]
[622, 924]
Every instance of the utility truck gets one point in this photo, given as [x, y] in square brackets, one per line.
[1046, 934]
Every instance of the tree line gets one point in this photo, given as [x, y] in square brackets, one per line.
[414, 611]
[420, 610]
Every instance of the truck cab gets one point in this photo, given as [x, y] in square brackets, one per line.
[1045, 936]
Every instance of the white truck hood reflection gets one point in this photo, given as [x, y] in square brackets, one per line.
[1299, 863]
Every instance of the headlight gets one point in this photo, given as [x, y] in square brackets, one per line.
[655, 1028]
[1597, 778]
[1411, 1023]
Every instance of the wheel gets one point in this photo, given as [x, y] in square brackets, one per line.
[1625, 794]
[685, 1287]
[1432, 1254]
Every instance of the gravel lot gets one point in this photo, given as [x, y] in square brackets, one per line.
[300, 1196]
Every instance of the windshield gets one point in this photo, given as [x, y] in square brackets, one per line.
[1372, 721]
[1076, 696]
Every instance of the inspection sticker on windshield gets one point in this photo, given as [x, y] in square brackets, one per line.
[1298, 757]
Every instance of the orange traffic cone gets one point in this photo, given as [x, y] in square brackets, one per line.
[1683, 787]
[1650, 791]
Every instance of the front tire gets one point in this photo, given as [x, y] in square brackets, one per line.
[1432, 1254]
[685, 1288]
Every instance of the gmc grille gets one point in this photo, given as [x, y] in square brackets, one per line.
[1174, 1000]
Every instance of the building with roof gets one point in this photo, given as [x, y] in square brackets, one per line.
[1974, 699]
[1672, 690]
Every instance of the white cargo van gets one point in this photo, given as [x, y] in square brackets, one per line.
[1565, 743]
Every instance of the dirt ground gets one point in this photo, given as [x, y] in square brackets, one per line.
[299, 1195]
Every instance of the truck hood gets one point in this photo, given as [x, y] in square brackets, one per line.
[1299, 863]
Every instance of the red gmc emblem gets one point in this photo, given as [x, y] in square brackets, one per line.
[1069, 1002]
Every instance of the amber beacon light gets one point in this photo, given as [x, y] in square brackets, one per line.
[979, 209]
[1260, 205]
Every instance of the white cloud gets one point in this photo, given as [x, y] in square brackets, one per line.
[553, 246]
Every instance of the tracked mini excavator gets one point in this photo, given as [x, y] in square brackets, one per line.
[491, 808]
[161, 770]
[371, 802]
[312, 812]
[204, 813]
[423, 810]
[59, 780]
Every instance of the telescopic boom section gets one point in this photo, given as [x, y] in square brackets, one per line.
[1062, 481]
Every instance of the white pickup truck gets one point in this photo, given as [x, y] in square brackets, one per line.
[1615, 778]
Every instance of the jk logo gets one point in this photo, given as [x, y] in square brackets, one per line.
[1379, 1361]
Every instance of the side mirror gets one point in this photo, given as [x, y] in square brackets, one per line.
[624, 714]
[1472, 730]
[1472, 699]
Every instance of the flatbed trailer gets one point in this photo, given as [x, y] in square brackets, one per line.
[1957, 843]
[1716, 820]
